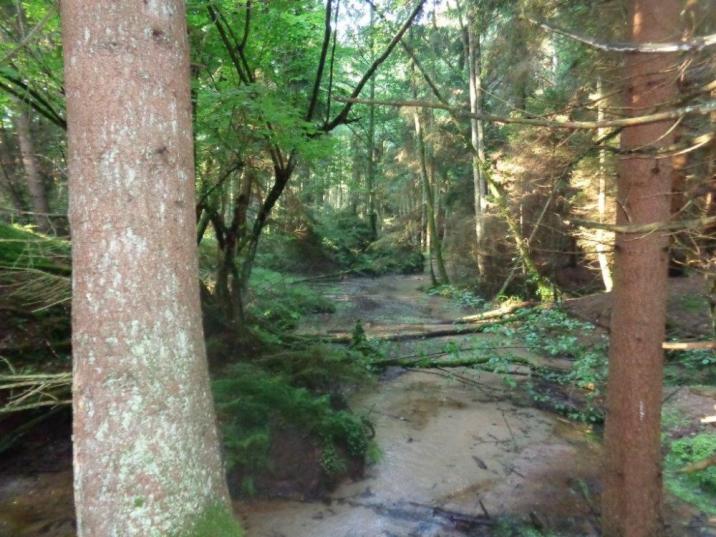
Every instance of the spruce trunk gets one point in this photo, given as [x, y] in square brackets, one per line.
[146, 451]
[632, 494]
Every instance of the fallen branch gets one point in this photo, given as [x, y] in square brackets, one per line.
[688, 345]
[699, 465]
[496, 313]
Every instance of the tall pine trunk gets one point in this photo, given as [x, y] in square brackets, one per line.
[146, 450]
[632, 494]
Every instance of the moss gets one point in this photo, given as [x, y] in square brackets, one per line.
[215, 521]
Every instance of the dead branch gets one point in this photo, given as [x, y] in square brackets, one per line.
[692, 45]
[652, 227]
[699, 465]
[666, 115]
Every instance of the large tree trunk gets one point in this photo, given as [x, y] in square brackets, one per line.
[35, 185]
[146, 450]
[632, 496]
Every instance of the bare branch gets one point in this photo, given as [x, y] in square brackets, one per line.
[693, 45]
[652, 227]
[321, 63]
[675, 113]
[343, 114]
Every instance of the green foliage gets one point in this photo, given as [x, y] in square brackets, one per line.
[279, 301]
[464, 297]
[347, 239]
[697, 488]
[696, 366]
[23, 248]
[253, 403]
[552, 332]
[34, 268]
[216, 521]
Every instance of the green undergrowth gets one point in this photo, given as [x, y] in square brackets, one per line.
[463, 297]
[256, 402]
[690, 367]
[696, 488]
[34, 269]
[22, 247]
[551, 332]
[339, 241]
[279, 301]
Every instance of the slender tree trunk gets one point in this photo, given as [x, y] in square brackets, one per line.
[35, 185]
[372, 216]
[8, 173]
[632, 494]
[146, 450]
[476, 135]
[434, 246]
[602, 199]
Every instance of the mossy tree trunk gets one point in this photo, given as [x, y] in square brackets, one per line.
[146, 450]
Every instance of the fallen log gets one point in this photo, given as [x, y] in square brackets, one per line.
[459, 330]
[496, 313]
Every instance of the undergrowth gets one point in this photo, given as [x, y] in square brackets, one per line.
[697, 488]
[254, 403]
[552, 332]
[463, 297]
[278, 301]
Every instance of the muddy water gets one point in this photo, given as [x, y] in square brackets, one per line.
[457, 453]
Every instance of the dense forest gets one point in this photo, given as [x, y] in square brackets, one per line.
[331, 268]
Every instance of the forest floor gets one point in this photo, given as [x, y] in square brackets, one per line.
[462, 452]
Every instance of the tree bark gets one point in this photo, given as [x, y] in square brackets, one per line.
[146, 449]
[33, 178]
[632, 494]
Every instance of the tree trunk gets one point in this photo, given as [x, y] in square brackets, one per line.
[8, 174]
[602, 199]
[433, 240]
[35, 186]
[372, 216]
[146, 451]
[632, 494]
[476, 135]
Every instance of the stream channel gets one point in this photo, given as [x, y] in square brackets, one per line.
[459, 453]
